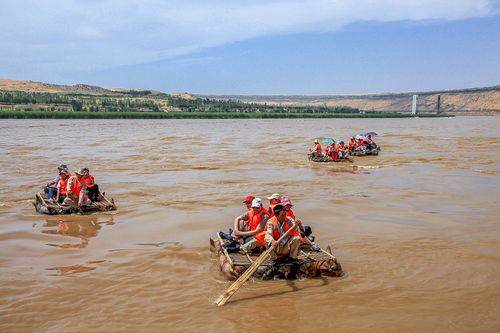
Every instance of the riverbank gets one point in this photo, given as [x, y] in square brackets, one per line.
[198, 115]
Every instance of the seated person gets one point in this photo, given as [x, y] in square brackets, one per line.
[62, 186]
[247, 225]
[52, 190]
[275, 227]
[76, 195]
[351, 145]
[373, 145]
[342, 150]
[359, 145]
[331, 151]
[92, 187]
[274, 199]
[317, 150]
[285, 201]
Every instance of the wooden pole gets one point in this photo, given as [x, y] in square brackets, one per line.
[225, 251]
[111, 203]
[249, 272]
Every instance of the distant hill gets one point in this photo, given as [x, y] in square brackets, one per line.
[32, 86]
[465, 101]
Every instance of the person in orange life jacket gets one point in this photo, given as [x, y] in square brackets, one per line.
[367, 143]
[342, 150]
[359, 145]
[330, 149]
[239, 224]
[333, 154]
[52, 186]
[251, 222]
[274, 199]
[62, 186]
[285, 201]
[317, 150]
[277, 226]
[76, 191]
[351, 144]
[92, 187]
[254, 223]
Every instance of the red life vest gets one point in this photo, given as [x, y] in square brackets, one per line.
[318, 148]
[89, 179]
[329, 149]
[255, 219]
[290, 213]
[62, 185]
[276, 230]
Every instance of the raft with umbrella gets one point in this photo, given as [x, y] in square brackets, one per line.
[44, 206]
[365, 152]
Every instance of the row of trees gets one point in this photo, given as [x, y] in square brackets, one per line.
[213, 105]
[79, 102]
[130, 101]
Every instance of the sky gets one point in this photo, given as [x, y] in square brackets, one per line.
[253, 47]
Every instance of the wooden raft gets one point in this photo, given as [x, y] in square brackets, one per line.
[44, 207]
[325, 159]
[310, 264]
[364, 153]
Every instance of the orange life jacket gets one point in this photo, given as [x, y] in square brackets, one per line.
[255, 219]
[317, 147]
[62, 185]
[290, 213]
[76, 187]
[276, 230]
[271, 209]
[89, 180]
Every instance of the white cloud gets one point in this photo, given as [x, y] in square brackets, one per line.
[59, 35]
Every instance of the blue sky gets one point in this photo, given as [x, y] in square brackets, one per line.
[253, 47]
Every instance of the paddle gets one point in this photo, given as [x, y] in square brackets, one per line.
[249, 272]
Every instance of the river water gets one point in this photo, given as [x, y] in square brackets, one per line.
[416, 229]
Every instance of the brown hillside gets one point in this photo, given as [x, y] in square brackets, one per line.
[470, 101]
[30, 86]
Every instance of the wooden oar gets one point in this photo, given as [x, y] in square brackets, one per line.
[249, 272]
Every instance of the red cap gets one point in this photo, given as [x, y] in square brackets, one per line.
[249, 199]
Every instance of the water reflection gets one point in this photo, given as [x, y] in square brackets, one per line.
[74, 269]
[78, 227]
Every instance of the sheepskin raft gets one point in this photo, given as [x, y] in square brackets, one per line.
[364, 152]
[313, 158]
[43, 206]
[310, 264]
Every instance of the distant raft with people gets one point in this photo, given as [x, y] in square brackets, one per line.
[45, 206]
[315, 157]
[373, 152]
[310, 263]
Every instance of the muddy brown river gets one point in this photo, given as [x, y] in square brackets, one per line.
[416, 229]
